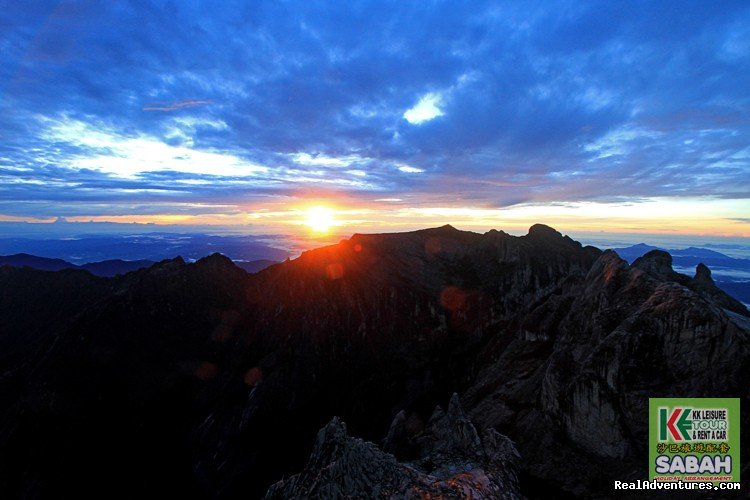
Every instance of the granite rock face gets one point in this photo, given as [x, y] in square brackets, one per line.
[599, 348]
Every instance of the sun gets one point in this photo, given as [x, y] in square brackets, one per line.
[320, 219]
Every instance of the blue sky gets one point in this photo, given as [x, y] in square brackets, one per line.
[632, 114]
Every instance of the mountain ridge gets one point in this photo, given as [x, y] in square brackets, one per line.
[229, 376]
[106, 268]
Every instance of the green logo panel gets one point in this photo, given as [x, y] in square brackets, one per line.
[694, 439]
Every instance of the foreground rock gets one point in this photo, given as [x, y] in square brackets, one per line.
[454, 463]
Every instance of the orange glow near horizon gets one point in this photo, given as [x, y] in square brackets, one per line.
[322, 220]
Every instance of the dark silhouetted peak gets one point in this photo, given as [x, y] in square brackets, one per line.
[657, 256]
[451, 446]
[704, 284]
[177, 261]
[610, 256]
[40, 263]
[448, 434]
[105, 268]
[446, 231]
[344, 467]
[608, 266]
[396, 434]
[114, 267]
[643, 246]
[455, 464]
[703, 274]
[455, 410]
[330, 440]
[543, 231]
[656, 263]
[496, 233]
[167, 266]
[216, 261]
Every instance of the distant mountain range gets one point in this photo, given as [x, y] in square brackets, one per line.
[687, 257]
[105, 268]
[436, 363]
[731, 275]
[153, 246]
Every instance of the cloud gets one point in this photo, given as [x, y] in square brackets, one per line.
[464, 103]
[409, 170]
[188, 103]
[106, 151]
[321, 160]
[426, 109]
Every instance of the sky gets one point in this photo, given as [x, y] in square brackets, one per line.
[623, 117]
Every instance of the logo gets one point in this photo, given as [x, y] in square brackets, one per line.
[677, 425]
[694, 439]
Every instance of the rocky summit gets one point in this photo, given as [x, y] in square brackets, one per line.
[434, 363]
[453, 462]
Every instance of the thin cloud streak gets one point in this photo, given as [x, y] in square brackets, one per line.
[188, 103]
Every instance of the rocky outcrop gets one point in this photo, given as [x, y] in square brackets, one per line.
[344, 467]
[451, 449]
[704, 284]
[596, 352]
[454, 463]
[658, 264]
